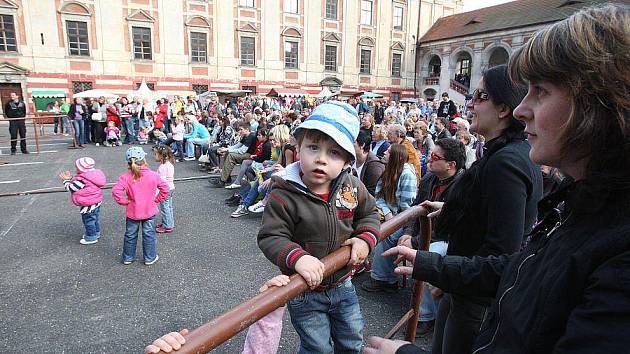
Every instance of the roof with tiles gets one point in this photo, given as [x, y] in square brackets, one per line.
[510, 15]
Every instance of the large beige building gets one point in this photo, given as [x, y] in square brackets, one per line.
[196, 45]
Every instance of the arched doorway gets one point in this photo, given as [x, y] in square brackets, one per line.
[429, 94]
[332, 83]
[463, 69]
[435, 66]
[499, 56]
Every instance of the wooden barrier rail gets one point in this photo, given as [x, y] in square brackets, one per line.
[37, 120]
[220, 329]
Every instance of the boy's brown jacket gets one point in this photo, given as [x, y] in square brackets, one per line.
[297, 222]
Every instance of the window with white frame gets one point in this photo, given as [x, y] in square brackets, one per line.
[366, 12]
[396, 64]
[198, 47]
[141, 43]
[398, 18]
[366, 61]
[291, 6]
[330, 58]
[331, 9]
[78, 42]
[246, 3]
[290, 55]
[8, 42]
[248, 51]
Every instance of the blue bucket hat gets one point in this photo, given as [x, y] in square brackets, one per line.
[338, 120]
[135, 152]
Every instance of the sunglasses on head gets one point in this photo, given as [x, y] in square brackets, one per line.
[479, 95]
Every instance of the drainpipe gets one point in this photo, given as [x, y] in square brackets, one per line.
[417, 53]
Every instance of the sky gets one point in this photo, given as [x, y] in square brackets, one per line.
[470, 5]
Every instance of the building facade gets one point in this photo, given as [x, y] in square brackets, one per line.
[56, 47]
[452, 54]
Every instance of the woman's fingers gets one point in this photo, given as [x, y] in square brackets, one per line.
[404, 270]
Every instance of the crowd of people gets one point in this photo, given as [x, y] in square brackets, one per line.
[523, 258]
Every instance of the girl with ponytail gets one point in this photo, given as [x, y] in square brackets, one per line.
[137, 190]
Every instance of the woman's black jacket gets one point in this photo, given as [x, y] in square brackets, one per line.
[567, 291]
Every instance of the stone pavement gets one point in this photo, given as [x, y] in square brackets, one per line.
[57, 296]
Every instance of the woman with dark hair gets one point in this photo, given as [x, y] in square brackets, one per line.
[490, 207]
[78, 114]
[567, 290]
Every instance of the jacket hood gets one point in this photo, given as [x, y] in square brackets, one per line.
[97, 177]
[372, 158]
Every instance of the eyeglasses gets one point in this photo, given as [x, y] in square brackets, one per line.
[436, 157]
[479, 96]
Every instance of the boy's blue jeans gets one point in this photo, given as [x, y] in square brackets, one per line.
[149, 241]
[91, 224]
[328, 321]
[166, 211]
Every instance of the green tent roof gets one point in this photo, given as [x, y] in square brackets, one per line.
[48, 93]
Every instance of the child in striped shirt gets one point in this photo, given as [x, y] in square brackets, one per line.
[86, 193]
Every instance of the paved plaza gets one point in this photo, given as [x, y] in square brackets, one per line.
[58, 296]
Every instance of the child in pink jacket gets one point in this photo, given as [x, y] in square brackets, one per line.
[140, 189]
[86, 193]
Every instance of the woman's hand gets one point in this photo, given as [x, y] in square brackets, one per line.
[409, 255]
[405, 240]
[435, 208]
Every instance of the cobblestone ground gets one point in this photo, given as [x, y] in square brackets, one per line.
[57, 296]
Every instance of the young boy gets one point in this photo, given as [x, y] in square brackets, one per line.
[315, 210]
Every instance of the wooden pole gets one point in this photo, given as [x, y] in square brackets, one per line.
[212, 334]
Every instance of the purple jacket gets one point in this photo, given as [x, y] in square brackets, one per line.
[141, 196]
[90, 194]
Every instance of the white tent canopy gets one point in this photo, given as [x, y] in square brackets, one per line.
[325, 93]
[96, 94]
[143, 92]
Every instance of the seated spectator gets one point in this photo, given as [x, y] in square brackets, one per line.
[423, 142]
[396, 135]
[395, 192]
[222, 136]
[367, 123]
[262, 154]
[465, 138]
[112, 134]
[236, 153]
[283, 153]
[463, 125]
[198, 136]
[143, 135]
[445, 165]
[368, 166]
[380, 144]
[441, 128]
[409, 125]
